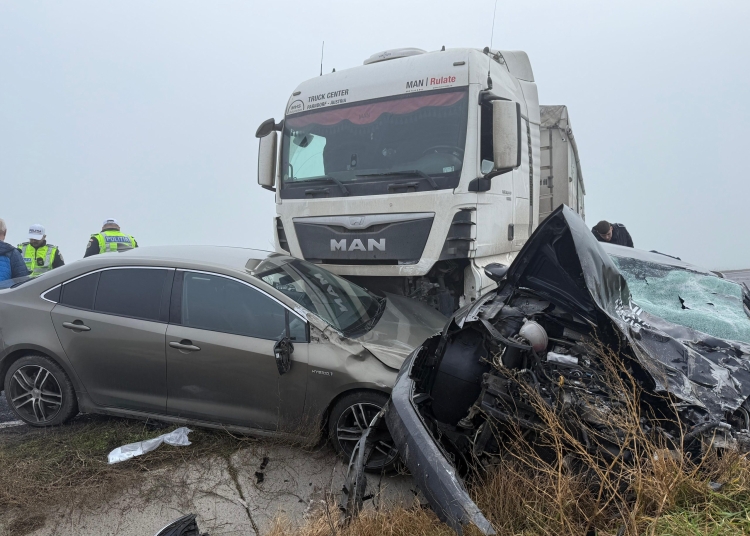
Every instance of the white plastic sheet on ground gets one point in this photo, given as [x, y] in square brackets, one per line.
[178, 438]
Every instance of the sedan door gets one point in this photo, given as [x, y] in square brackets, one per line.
[112, 325]
[220, 353]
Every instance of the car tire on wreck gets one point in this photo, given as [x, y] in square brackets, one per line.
[40, 392]
[350, 417]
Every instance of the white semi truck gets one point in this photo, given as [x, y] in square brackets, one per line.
[411, 173]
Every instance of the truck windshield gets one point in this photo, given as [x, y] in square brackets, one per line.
[399, 144]
[347, 307]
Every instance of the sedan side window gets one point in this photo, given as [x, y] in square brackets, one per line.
[132, 292]
[220, 304]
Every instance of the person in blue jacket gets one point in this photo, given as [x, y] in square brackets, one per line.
[11, 261]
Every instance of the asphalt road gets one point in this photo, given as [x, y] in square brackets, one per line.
[6, 415]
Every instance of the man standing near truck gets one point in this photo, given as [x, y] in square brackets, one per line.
[614, 233]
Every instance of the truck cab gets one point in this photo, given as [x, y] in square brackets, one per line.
[410, 173]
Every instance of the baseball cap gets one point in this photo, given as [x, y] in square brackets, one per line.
[37, 232]
[110, 221]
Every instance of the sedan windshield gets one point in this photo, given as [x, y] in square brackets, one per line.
[702, 302]
[406, 143]
[347, 307]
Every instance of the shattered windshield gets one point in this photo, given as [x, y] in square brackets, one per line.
[698, 301]
[417, 139]
[344, 305]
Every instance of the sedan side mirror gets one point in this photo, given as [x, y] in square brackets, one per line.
[283, 351]
[506, 134]
[496, 271]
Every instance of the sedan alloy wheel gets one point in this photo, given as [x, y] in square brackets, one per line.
[35, 394]
[350, 426]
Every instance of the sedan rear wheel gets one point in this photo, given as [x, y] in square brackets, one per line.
[349, 419]
[39, 392]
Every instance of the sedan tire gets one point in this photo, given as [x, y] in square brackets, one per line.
[348, 420]
[40, 392]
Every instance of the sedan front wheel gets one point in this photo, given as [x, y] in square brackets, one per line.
[40, 392]
[350, 417]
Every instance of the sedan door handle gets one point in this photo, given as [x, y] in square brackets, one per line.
[76, 326]
[185, 345]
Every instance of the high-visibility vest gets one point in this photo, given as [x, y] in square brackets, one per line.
[38, 260]
[111, 241]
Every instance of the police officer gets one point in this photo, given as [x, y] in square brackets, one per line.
[110, 240]
[39, 256]
[614, 233]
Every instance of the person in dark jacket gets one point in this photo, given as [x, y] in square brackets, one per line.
[11, 261]
[614, 233]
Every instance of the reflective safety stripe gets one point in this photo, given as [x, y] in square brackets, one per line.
[112, 241]
[30, 255]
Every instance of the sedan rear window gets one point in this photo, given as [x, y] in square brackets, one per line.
[80, 292]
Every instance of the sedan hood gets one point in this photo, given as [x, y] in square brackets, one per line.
[404, 325]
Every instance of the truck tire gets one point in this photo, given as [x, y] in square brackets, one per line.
[350, 417]
[39, 392]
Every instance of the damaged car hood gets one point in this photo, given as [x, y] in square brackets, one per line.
[404, 325]
[698, 369]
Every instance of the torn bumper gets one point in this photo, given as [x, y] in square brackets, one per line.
[432, 471]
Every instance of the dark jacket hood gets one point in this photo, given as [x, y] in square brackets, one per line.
[6, 248]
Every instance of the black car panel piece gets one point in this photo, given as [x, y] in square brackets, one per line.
[434, 475]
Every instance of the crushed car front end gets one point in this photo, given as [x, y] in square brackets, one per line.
[550, 339]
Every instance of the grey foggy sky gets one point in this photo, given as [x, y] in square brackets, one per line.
[146, 111]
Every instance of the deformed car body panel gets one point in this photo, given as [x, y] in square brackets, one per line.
[563, 270]
[405, 323]
[434, 475]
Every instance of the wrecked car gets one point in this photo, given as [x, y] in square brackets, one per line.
[233, 338]
[532, 343]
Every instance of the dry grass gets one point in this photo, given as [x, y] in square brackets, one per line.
[392, 522]
[560, 482]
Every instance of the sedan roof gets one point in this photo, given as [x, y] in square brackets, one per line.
[234, 258]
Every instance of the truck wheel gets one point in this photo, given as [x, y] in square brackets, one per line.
[40, 392]
[350, 417]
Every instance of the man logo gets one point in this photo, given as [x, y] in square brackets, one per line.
[356, 221]
[357, 245]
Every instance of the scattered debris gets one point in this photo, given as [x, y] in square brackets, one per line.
[184, 526]
[260, 476]
[177, 438]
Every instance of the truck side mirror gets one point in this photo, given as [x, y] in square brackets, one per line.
[265, 128]
[495, 271]
[267, 160]
[506, 134]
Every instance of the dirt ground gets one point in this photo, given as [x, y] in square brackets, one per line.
[237, 486]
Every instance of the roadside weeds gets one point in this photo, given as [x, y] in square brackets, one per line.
[558, 481]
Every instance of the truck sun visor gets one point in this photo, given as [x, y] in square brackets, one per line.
[368, 113]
